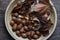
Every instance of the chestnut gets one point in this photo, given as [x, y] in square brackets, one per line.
[30, 26]
[14, 19]
[19, 26]
[24, 35]
[14, 28]
[26, 28]
[22, 30]
[29, 33]
[18, 20]
[18, 33]
[38, 33]
[12, 23]
[24, 21]
[32, 33]
[35, 36]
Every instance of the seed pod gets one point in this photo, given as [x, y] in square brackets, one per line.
[12, 23]
[16, 8]
[18, 33]
[14, 28]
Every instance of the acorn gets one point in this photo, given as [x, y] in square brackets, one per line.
[24, 35]
[14, 28]
[18, 33]
[12, 23]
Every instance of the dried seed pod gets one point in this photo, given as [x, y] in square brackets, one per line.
[14, 28]
[46, 2]
[17, 8]
[12, 23]
[14, 14]
[19, 26]
[18, 33]
[24, 35]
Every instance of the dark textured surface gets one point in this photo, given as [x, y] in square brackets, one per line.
[4, 35]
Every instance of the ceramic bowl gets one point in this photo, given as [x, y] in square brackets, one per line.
[10, 7]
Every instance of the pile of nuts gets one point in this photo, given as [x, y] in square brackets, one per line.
[24, 25]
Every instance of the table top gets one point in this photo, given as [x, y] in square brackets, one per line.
[4, 35]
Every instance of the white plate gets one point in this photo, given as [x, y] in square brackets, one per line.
[8, 17]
